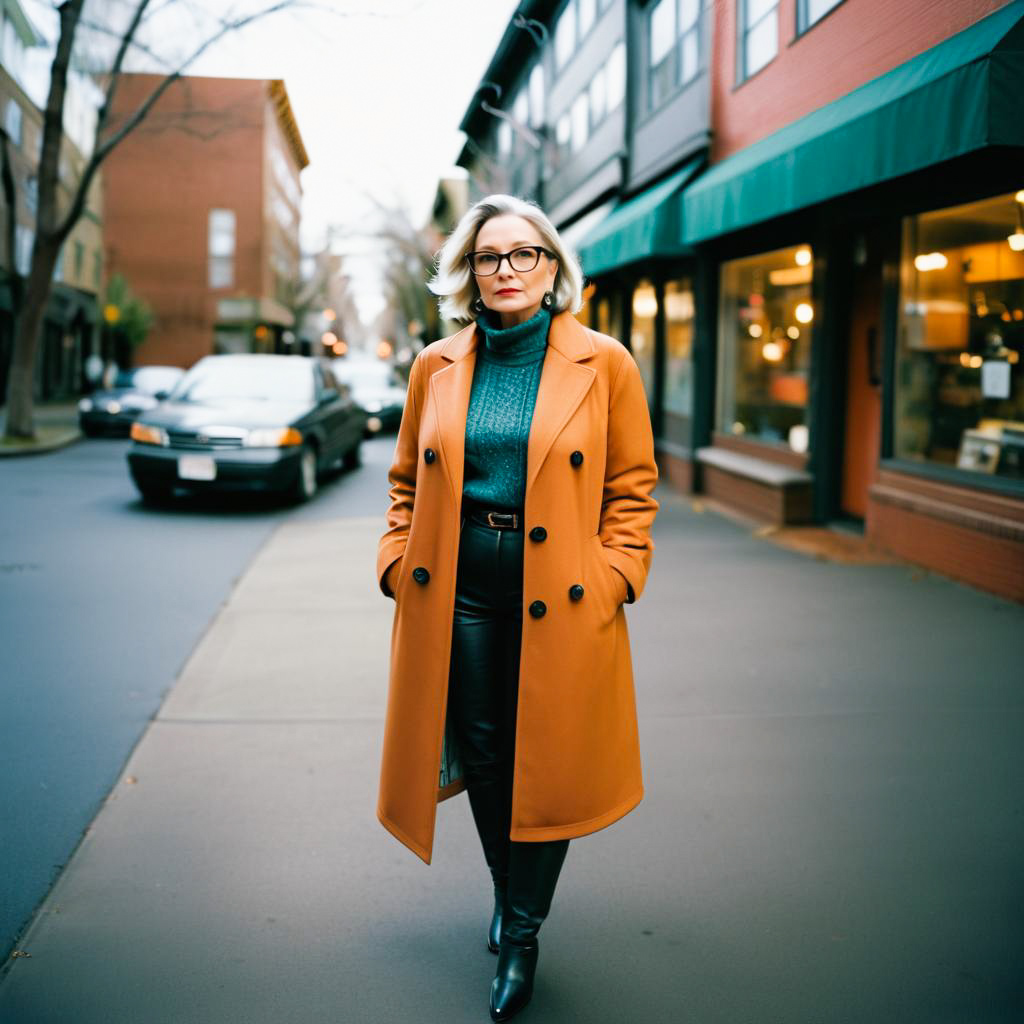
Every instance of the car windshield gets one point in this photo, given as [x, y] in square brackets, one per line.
[364, 374]
[150, 379]
[270, 379]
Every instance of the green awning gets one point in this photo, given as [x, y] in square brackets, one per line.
[645, 226]
[960, 96]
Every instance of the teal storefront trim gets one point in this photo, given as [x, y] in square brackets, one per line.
[958, 97]
[648, 225]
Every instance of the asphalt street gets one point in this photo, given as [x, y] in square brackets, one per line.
[102, 601]
[832, 831]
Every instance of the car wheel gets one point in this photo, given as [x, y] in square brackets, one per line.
[353, 457]
[306, 480]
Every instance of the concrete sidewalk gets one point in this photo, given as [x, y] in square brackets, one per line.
[56, 425]
[832, 830]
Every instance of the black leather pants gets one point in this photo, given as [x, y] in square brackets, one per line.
[483, 690]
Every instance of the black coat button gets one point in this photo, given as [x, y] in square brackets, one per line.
[575, 592]
[420, 575]
[537, 609]
[576, 458]
[429, 456]
[538, 533]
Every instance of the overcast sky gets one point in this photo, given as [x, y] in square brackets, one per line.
[378, 88]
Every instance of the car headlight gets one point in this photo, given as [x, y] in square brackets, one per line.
[373, 406]
[145, 434]
[85, 405]
[273, 437]
[113, 407]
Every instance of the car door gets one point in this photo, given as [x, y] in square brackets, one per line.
[335, 414]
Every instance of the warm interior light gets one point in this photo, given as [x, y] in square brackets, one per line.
[803, 256]
[1016, 241]
[645, 303]
[772, 351]
[965, 359]
[1020, 196]
[930, 261]
[384, 348]
[755, 330]
[329, 338]
[804, 312]
[793, 332]
[976, 362]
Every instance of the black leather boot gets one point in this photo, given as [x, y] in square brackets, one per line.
[494, 932]
[533, 874]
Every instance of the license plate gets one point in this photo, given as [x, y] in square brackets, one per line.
[197, 467]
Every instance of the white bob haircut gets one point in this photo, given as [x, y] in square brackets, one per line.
[454, 283]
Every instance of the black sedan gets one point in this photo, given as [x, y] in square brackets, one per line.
[247, 423]
[113, 410]
[377, 389]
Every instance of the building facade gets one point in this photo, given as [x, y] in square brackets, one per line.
[202, 206]
[815, 250]
[70, 331]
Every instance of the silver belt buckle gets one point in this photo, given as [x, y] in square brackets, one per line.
[492, 518]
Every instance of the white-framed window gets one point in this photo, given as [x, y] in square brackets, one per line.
[565, 35]
[587, 14]
[521, 107]
[563, 133]
[808, 12]
[759, 35]
[537, 96]
[598, 96]
[13, 122]
[615, 77]
[222, 248]
[673, 46]
[580, 121]
[504, 138]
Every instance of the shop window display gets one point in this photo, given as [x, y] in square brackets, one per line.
[959, 376]
[679, 310]
[645, 310]
[767, 319]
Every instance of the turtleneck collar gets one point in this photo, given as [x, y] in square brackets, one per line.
[518, 344]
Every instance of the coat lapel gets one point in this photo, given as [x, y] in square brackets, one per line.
[563, 385]
[450, 387]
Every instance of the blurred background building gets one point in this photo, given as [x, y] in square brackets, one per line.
[70, 332]
[806, 220]
[202, 205]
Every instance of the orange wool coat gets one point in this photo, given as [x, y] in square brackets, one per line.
[577, 758]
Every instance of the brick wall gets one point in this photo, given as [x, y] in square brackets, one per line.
[854, 43]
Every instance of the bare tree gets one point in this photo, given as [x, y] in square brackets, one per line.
[54, 224]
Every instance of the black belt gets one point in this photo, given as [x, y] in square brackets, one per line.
[497, 519]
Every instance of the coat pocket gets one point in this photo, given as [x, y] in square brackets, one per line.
[608, 585]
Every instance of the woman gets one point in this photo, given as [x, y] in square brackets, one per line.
[519, 524]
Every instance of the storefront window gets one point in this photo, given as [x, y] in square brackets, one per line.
[766, 322]
[609, 315]
[959, 377]
[679, 358]
[645, 309]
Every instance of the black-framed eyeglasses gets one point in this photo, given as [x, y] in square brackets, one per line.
[521, 259]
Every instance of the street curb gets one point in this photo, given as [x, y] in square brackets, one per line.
[42, 447]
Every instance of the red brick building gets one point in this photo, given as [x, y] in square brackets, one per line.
[202, 214]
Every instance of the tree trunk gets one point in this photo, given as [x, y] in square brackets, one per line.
[27, 328]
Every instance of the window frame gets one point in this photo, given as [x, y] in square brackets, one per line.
[742, 34]
[674, 54]
[803, 24]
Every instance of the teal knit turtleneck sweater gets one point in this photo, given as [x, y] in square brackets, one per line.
[505, 383]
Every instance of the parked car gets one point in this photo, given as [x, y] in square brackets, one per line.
[113, 410]
[247, 423]
[377, 389]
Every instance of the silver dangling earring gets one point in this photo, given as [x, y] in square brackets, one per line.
[549, 300]
[478, 304]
